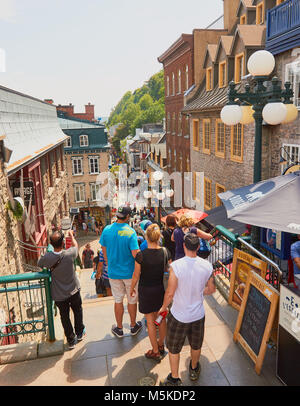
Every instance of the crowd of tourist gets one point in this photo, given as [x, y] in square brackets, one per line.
[160, 271]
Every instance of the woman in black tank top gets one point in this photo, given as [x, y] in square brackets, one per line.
[150, 266]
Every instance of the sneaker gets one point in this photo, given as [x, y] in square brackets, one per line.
[117, 332]
[80, 336]
[169, 381]
[136, 329]
[71, 344]
[194, 373]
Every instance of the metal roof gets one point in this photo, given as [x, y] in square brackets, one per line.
[30, 126]
[213, 99]
[67, 124]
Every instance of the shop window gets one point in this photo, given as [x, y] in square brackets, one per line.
[292, 75]
[219, 189]
[207, 194]
[196, 141]
[209, 79]
[220, 138]
[291, 153]
[206, 136]
[239, 70]
[222, 74]
[237, 139]
[260, 13]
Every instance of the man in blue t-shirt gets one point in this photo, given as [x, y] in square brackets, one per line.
[295, 255]
[120, 246]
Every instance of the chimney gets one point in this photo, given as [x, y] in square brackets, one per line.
[89, 110]
[230, 10]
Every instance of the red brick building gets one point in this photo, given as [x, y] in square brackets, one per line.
[69, 110]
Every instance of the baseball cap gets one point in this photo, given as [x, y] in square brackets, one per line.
[145, 224]
[123, 212]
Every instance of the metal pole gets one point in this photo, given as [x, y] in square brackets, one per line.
[49, 302]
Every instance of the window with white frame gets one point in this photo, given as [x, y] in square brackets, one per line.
[79, 192]
[95, 192]
[94, 164]
[84, 140]
[173, 84]
[68, 142]
[168, 86]
[291, 153]
[292, 74]
[77, 167]
[186, 77]
[179, 81]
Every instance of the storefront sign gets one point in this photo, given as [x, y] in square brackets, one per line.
[28, 187]
[289, 312]
[256, 318]
[242, 265]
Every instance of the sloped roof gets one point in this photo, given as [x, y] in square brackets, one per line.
[211, 51]
[30, 125]
[251, 35]
[214, 99]
[69, 123]
[225, 42]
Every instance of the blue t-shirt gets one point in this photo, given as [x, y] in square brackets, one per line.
[295, 253]
[119, 239]
[144, 245]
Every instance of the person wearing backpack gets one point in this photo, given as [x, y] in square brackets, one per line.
[186, 225]
[171, 224]
[150, 266]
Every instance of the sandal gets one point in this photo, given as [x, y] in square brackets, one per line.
[156, 356]
[161, 349]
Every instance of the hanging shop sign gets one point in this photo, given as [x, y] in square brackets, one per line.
[28, 187]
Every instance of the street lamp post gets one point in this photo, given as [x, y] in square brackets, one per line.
[273, 105]
[160, 195]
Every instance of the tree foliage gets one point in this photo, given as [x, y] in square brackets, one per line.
[145, 105]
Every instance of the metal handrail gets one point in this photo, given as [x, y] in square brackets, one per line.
[262, 256]
[29, 277]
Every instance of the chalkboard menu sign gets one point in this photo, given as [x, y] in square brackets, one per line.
[256, 317]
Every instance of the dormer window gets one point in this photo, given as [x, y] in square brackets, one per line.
[68, 142]
[222, 74]
[260, 13]
[84, 140]
[209, 79]
[239, 70]
[243, 19]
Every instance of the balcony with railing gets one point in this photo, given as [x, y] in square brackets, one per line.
[283, 27]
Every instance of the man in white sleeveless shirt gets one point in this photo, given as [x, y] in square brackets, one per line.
[190, 279]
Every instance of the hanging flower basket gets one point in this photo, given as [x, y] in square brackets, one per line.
[18, 212]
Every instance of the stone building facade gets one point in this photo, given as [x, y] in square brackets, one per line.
[87, 156]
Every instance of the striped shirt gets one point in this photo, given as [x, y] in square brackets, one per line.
[104, 269]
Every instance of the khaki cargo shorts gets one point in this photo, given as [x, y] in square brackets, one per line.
[120, 287]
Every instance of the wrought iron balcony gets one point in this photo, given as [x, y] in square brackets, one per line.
[283, 27]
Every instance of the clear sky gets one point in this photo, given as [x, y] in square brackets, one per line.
[80, 51]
